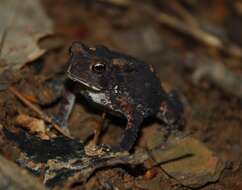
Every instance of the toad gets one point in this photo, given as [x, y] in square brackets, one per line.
[121, 85]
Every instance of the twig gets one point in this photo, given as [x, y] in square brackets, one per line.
[191, 28]
[117, 2]
[195, 32]
[99, 129]
[41, 114]
[183, 13]
[200, 35]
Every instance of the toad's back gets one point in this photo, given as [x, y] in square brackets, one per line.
[140, 87]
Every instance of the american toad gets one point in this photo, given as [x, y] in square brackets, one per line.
[121, 85]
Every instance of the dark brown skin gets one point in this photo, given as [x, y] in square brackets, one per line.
[122, 85]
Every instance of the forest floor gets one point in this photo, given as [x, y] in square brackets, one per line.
[194, 47]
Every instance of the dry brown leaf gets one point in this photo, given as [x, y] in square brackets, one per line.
[33, 125]
[184, 158]
[23, 23]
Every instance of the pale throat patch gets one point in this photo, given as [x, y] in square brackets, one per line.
[102, 99]
[99, 97]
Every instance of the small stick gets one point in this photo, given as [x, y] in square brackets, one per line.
[183, 13]
[117, 2]
[41, 114]
[99, 129]
[195, 32]
[190, 27]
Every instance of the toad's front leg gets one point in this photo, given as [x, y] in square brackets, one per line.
[54, 90]
[131, 132]
[66, 107]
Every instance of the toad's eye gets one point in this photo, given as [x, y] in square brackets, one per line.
[98, 67]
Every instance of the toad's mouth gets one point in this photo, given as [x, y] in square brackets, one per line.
[81, 81]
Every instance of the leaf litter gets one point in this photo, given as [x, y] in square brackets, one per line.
[183, 158]
[23, 23]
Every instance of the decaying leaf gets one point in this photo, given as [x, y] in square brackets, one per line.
[23, 23]
[61, 157]
[185, 159]
[13, 177]
[35, 126]
[182, 157]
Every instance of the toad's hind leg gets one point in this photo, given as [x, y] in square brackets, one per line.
[170, 113]
[131, 132]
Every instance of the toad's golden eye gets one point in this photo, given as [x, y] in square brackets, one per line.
[98, 67]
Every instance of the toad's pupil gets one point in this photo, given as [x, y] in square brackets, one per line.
[98, 67]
